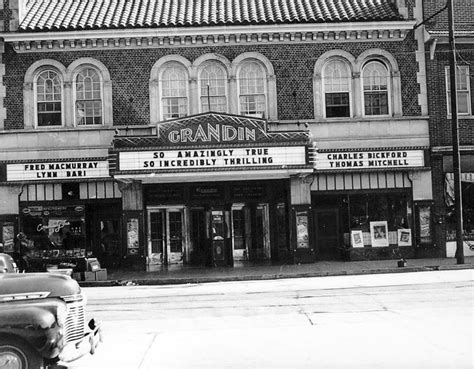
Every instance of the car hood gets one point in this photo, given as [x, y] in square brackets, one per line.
[57, 285]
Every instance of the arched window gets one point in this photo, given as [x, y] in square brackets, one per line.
[174, 92]
[252, 89]
[376, 79]
[88, 92]
[337, 87]
[213, 91]
[48, 99]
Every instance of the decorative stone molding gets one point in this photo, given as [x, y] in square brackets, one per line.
[140, 38]
[3, 111]
[421, 58]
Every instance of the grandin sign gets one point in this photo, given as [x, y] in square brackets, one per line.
[211, 133]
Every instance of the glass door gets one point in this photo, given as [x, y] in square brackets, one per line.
[327, 233]
[165, 236]
[261, 234]
[250, 232]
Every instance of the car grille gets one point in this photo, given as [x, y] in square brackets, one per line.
[75, 321]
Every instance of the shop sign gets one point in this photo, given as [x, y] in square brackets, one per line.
[213, 158]
[370, 159]
[58, 170]
[209, 133]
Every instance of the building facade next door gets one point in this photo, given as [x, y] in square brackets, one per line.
[327, 238]
[166, 235]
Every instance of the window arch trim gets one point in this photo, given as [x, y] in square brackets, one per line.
[394, 90]
[29, 91]
[270, 86]
[319, 101]
[155, 94]
[219, 94]
[105, 83]
[67, 78]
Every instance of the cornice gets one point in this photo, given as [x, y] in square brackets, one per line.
[198, 36]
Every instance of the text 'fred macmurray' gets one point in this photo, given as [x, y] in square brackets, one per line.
[52, 170]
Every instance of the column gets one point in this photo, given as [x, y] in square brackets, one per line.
[301, 219]
[135, 250]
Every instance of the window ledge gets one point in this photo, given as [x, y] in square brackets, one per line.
[462, 117]
[352, 119]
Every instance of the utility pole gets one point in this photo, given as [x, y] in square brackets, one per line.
[455, 138]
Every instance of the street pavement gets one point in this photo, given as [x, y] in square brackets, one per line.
[375, 321]
[186, 274]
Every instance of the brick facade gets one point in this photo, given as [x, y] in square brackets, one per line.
[293, 57]
[440, 122]
[130, 74]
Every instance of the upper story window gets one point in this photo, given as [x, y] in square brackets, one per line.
[376, 78]
[213, 82]
[252, 91]
[174, 92]
[48, 99]
[463, 90]
[88, 105]
[67, 97]
[337, 88]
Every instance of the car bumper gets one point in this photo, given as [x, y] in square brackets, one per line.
[86, 345]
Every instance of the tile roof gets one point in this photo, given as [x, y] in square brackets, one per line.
[57, 15]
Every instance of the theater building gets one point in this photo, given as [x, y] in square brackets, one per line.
[213, 189]
[159, 133]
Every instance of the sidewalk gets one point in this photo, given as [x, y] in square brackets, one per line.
[184, 275]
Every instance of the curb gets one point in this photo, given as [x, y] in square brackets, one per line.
[197, 280]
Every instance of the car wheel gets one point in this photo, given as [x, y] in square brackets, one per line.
[15, 354]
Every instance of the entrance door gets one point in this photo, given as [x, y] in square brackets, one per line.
[261, 233]
[240, 231]
[165, 236]
[327, 233]
[250, 232]
[106, 235]
[200, 254]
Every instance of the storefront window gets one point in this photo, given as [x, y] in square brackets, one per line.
[55, 230]
[467, 188]
[358, 211]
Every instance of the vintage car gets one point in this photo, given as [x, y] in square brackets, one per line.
[7, 265]
[42, 319]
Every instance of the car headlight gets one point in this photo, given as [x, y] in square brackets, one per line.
[61, 313]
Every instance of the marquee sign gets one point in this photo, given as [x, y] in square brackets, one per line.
[73, 169]
[212, 158]
[349, 160]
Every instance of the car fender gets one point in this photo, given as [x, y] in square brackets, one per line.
[34, 322]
